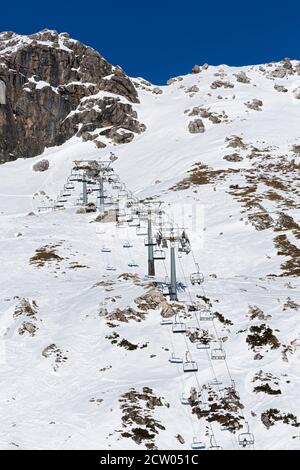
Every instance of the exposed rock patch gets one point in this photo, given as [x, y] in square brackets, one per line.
[138, 416]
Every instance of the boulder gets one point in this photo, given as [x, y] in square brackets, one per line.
[196, 69]
[42, 165]
[241, 77]
[255, 104]
[196, 126]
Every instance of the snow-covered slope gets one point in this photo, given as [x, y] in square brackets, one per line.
[68, 361]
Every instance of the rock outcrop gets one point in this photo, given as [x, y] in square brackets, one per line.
[52, 88]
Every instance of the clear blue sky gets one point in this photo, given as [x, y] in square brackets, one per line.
[160, 39]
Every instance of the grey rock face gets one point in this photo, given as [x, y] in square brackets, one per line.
[196, 126]
[44, 80]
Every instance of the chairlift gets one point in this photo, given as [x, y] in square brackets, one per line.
[204, 408]
[62, 199]
[197, 277]
[215, 382]
[141, 230]
[105, 249]
[164, 243]
[134, 222]
[109, 267]
[197, 445]
[66, 194]
[178, 327]
[108, 201]
[189, 365]
[213, 444]
[205, 314]
[127, 244]
[246, 438]
[166, 321]
[143, 215]
[133, 264]
[175, 359]
[122, 193]
[184, 399]
[159, 255]
[69, 187]
[120, 224]
[150, 241]
[121, 212]
[203, 345]
[218, 353]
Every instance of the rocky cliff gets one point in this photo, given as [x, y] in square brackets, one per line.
[52, 88]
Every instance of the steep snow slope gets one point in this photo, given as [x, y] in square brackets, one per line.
[68, 396]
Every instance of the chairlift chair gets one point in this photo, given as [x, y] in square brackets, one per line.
[205, 314]
[127, 244]
[215, 382]
[197, 445]
[159, 255]
[178, 327]
[213, 444]
[184, 400]
[143, 215]
[141, 230]
[133, 264]
[246, 438]
[175, 359]
[122, 193]
[108, 201]
[121, 213]
[197, 277]
[105, 249]
[66, 194]
[203, 345]
[150, 241]
[166, 321]
[134, 222]
[62, 199]
[120, 224]
[109, 267]
[69, 187]
[189, 365]
[218, 353]
[164, 243]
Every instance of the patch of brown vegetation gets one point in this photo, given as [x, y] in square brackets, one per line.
[201, 174]
[290, 267]
[44, 255]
